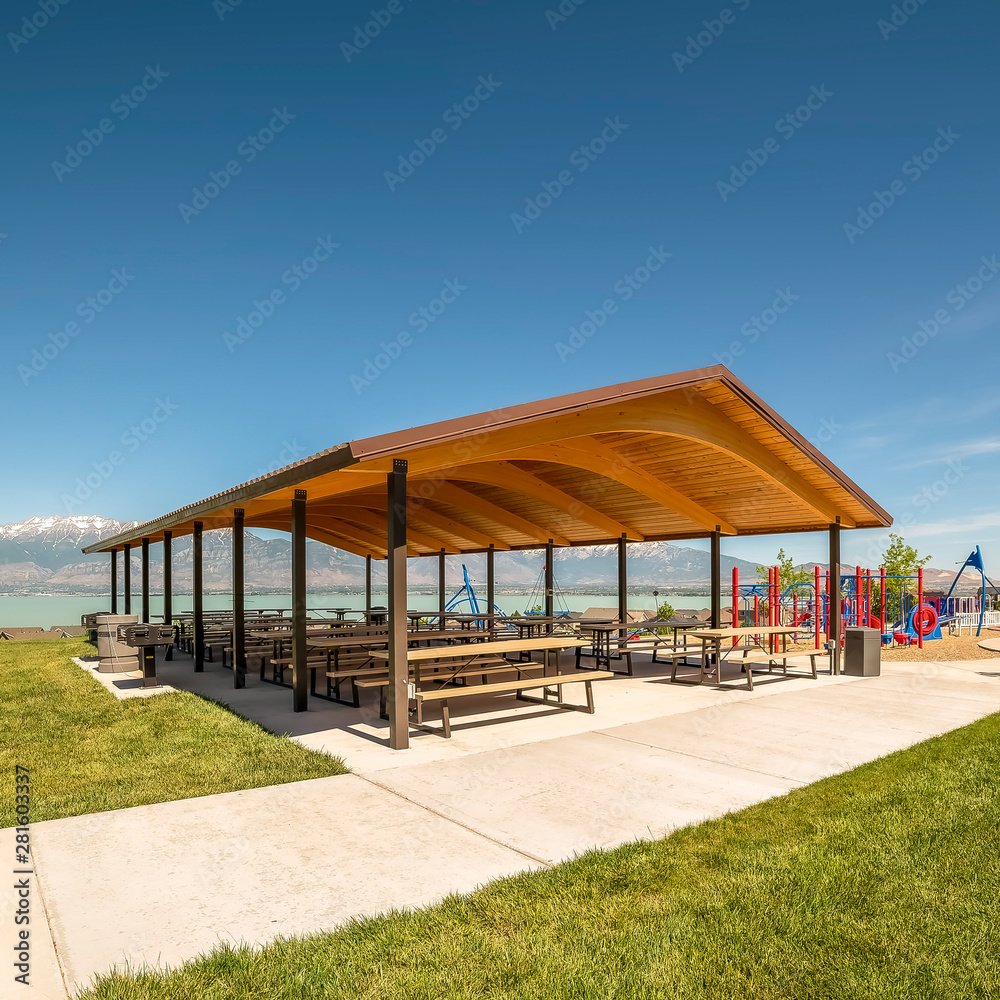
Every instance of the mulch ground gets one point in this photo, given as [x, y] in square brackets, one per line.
[949, 647]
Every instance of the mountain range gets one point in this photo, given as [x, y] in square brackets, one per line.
[41, 555]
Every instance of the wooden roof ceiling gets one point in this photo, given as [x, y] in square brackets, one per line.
[663, 458]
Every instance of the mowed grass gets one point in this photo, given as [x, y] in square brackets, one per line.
[879, 883]
[89, 752]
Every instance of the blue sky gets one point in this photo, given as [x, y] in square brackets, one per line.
[231, 157]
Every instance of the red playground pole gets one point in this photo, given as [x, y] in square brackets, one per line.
[920, 601]
[858, 596]
[736, 600]
[770, 605]
[816, 607]
[881, 590]
[829, 609]
[777, 606]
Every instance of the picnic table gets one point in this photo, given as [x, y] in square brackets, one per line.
[600, 639]
[531, 626]
[466, 621]
[712, 640]
[460, 661]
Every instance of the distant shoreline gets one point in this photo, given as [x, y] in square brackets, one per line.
[358, 591]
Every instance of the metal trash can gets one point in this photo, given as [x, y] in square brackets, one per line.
[862, 652]
[116, 656]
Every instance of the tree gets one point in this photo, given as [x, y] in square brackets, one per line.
[665, 610]
[899, 559]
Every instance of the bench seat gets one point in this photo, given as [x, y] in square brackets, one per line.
[789, 654]
[444, 695]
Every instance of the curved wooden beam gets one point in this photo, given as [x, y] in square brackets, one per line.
[358, 514]
[604, 461]
[455, 496]
[508, 476]
[697, 419]
[348, 540]
[675, 414]
[417, 511]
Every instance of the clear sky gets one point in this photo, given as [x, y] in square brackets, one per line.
[815, 183]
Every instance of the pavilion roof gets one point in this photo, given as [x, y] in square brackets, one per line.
[669, 457]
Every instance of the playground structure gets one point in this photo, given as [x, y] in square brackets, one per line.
[897, 606]
[466, 595]
[962, 611]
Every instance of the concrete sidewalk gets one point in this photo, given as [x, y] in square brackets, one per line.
[165, 883]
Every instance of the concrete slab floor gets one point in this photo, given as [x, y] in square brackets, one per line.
[128, 684]
[361, 738]
[516, 787]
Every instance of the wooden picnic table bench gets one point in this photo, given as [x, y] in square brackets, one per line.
[443, 695]
[714, 637]
[464, 658]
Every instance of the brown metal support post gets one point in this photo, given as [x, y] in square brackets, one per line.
[622, 584]
[716, 591]
[145, 580]
[114, 581]
[127, 578]
[398, 703]
[197, 599]
[300, 669]
[368, 587]
[239, 604]
[549, 581]
[490, 579]
[168, 587]
[441, 594]
[834, 612]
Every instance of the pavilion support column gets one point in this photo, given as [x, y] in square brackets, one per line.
[549, 582]
[441, 595]
[168, 588]
[239, 604]
[300, 669]
[197, 599]
[716, 593]
[622, 583]
[834, 611]
[490, 580]
[145, 580]
[399, 675]
[127, 578]
[114, 581]
[368, 588]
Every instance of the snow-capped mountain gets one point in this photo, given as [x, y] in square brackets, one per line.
[43, 554]
[52, 542]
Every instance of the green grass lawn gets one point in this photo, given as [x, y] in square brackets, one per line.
[88, 751]
[879, 883]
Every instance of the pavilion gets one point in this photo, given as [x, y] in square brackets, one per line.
[690, 455]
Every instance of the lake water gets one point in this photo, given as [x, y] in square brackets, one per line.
[33, 610]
